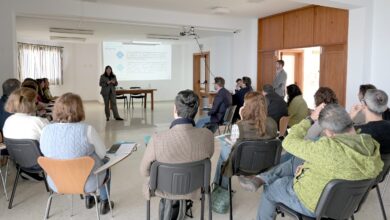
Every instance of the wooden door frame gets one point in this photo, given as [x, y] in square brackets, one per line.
[298, 65]
[196, 76]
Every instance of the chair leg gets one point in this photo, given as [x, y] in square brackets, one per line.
[96, 204]
[352, 217]
[48, 205]
[148, 210]
[230, 198]
[202, 206]
[381, 202]
[45, 181]
[210, 205]
[4, 182]
[71, 206]
[14, 188]
[109, 200]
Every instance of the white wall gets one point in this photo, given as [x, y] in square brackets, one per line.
[380, 73]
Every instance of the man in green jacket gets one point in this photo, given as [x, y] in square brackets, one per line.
[340, 154]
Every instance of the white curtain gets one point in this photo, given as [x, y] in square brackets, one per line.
[40, 61]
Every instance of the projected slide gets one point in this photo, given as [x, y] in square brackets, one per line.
[138, 62]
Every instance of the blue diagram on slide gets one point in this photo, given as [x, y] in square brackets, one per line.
[120, 54]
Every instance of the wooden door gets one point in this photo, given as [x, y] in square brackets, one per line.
[266, 68]
[333, 69]
[270, 33]
[331, 26]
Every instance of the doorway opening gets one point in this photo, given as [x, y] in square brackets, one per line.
[303, 68]
[201, 78]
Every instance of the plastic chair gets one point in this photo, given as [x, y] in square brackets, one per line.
[4, 178]
[137, 96]
[124, 97]
[339, 200]
[228, 119]
[25, 153]
[69, 177]
[283, 123]
[253, 157]
[181, 179]
[381, 177]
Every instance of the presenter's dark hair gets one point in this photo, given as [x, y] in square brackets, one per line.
[187, 103]
[219, 81]
[105, 70]
[247, 81]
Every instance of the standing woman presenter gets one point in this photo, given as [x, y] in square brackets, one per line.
[108, 83]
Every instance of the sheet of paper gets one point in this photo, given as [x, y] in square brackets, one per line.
[125, 149]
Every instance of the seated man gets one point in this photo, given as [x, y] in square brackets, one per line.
[277, 107]
[374, 104]
[182, 143]
[340, 154]
[222, 101]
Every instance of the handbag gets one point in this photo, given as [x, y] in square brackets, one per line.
[220, 199]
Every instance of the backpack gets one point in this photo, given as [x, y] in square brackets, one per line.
[175, 209]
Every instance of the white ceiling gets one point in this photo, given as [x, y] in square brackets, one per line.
[242, 8]
[38, 28]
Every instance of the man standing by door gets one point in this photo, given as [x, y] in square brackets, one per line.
[279, 82]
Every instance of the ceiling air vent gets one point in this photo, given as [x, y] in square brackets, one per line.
[79, 39]
[71, 31]
[162, 37]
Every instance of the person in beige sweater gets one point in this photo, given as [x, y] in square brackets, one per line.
[182, 143]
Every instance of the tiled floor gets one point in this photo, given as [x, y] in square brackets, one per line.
[31, 197]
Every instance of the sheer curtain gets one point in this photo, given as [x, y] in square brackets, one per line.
[40, 61]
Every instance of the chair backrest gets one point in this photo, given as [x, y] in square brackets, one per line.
[229, 114]
[255, 156]
[1, 137]
[25, 152]
[180, 179]
[341, 198]
[283, 123]
[69, 176]
[213, 127]
[386, 168]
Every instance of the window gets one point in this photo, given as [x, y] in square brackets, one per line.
[40, 61]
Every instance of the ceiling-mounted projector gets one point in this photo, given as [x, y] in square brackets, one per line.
[189, 32]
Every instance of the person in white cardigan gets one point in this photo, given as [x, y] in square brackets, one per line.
[23, 124]
[69, 138]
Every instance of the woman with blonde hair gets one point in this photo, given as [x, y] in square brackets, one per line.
[23, 123]
[68, 138]
[254, 125]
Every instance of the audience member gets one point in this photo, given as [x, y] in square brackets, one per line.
[238, 85]
[374, 104]
[297, 107]
[238, 97]
[69, 138]
[182, 143]
[279, 82]
[359, 118]
[23, 124]
[254, 125]
[46, 90]
[324, 95]
[222, 101]
[41, 87]
[277, 107]
[340, 154]
[9, 86]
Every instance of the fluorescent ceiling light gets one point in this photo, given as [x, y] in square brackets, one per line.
[80, 39]
[145, 42]
[71, 31]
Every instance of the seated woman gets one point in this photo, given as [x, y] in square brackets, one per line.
[297, 106]
[41, 87]
[23, 124]
[254, 125]
[68, 138]
[46, 90]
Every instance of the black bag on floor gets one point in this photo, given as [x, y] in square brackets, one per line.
[172, 209]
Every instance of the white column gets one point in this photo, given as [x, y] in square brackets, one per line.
[7, 42]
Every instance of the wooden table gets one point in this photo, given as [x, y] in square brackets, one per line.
[139, 91]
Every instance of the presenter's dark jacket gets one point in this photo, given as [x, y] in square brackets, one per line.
[107, 88]
[222, 101]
